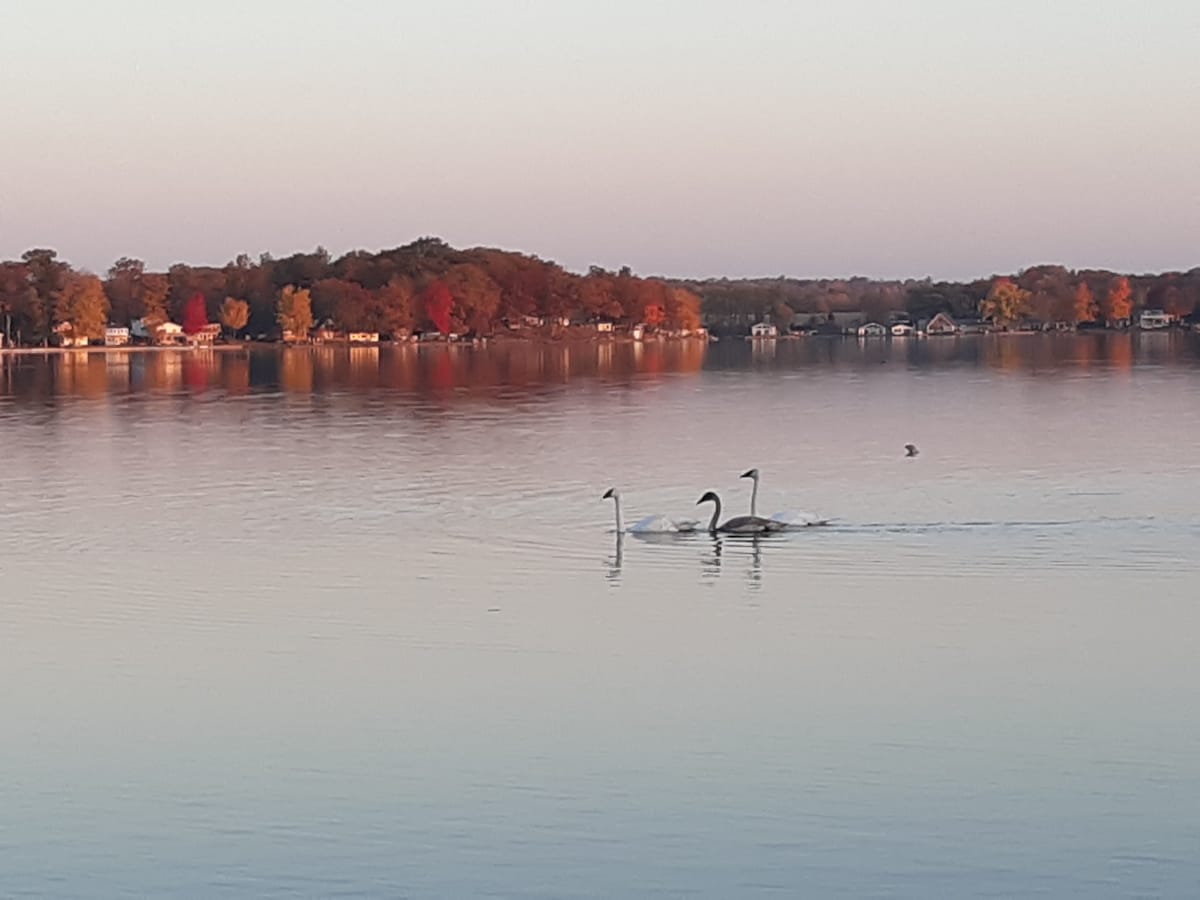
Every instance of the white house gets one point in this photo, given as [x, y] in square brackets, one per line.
[901, 329]
[1154, 319]
[363, 337]
[162, 333]
[604, 327]
[168, 333]
[941, 324]
[763, 330]
[872, 329]
[116, 336]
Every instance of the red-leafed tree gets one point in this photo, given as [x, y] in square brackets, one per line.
[438, 303]
[195, 317]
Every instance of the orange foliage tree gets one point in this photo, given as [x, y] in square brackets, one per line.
[683, 309]
[1084, 307]
[1006, 302]
[654, 315]
[1118, 305]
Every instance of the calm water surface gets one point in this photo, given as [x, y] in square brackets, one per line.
[355, 623]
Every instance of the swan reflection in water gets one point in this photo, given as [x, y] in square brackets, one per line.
[614, 562]
[713, 555]
[711, 562]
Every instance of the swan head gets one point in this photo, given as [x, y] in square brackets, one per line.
[611, 492]
[709, 497]
[750, 473]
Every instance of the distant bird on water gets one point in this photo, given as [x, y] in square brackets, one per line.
[911, 450]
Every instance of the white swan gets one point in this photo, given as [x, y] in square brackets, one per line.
[789, 518]
[650, 524]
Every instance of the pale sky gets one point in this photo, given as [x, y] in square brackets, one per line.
[684, 137]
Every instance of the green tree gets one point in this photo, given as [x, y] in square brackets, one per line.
[234, 314]
[16, 298]
[293, 312]
[1006, 303]
[47, 275]
[121, 286]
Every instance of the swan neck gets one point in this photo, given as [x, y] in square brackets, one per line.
[754, 497]
[620, 521]
[712, 525]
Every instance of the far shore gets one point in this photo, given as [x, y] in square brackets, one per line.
[531, 339]
[227, 346]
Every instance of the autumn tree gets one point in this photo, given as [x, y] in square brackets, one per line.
[195, 317]
[81, 306]
[562, 293]
[397, 302]
[683, 309]
[16, 296]
[598, 295]
[1006, 302]
[234, 315]
[437, 304]
[1118, 302]
[782, 315]
[1084, 307]
[476, 297]
[294, 312]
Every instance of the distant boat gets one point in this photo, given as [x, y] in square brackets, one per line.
[1154, 320]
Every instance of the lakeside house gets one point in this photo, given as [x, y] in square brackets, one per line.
[972, 325]
[116, 336]
[168, 333]
[64, 333]
[1154, 319]
[872, 329]
[206, 335]
[902, 329]
[941, 324]
[763, 330]
[162, 333]
[363, 337]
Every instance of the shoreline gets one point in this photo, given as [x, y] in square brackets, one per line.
[537, 340]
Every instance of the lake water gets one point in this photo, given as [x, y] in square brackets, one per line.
[354, 622]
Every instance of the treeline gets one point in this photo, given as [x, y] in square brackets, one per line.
[1045, 293]
[428, 285]
[423, 286]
